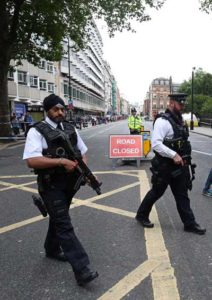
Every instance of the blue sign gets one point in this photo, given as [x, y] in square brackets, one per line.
[20, 109]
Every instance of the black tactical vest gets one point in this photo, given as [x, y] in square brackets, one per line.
[52, 136]
[179, 143]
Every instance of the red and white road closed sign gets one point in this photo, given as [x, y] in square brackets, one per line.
[126, 146]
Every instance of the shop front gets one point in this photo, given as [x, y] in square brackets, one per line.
[36, 111]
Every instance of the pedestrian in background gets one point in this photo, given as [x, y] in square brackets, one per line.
[28, 120]
[21, 121]
[207, 191]
[15, 124]
[172, 148]
[57, 178]
[134, 122]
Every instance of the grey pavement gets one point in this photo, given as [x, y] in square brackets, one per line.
[207, 131]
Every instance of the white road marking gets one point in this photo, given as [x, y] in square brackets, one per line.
[164, 282]
[201, 152]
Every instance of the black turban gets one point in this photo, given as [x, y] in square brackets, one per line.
[52, 100]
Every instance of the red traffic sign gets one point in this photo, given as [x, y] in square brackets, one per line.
[126, 146]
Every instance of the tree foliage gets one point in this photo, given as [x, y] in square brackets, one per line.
[206, 5]
[35, 29]
[202, 104]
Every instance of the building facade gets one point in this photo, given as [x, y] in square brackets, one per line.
[29, 85]
[158, 100]
[82, 76]
[146, 106]
[82, 79]
[108, 79]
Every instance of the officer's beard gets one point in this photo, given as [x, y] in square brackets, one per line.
[178, 113]
[57, 119]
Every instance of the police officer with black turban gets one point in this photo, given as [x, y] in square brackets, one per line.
[56, 180]
[172, 152]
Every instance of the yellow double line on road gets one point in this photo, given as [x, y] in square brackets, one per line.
[77, 202]
[157, 266]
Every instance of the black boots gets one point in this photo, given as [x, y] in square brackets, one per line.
[85, 276]
[195, 228]
[144, 221]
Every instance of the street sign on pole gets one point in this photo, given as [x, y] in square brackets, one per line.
[70, 104]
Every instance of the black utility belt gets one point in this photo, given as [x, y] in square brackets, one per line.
[51, 171]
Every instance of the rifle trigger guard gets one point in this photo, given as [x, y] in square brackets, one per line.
[79, 182]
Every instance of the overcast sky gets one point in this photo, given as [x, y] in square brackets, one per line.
[176, 39]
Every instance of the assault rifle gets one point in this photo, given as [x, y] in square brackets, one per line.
[86, 176]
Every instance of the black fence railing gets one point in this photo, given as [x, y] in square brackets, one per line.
[206, 122]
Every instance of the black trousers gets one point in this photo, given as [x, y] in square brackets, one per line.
[135, 131]
[180, 192]
[61, 232]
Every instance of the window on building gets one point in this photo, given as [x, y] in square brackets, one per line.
[50, 67]
[10, 75]
[22, 77]
[50, 87]
[65, 89]
[74, 93]
[42, 84]
[42, 64]
[81, 95]
[33, 81]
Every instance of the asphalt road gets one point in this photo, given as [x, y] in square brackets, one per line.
[133, 263]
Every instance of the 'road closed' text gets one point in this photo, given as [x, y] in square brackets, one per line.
[126, 146]
[126, 151]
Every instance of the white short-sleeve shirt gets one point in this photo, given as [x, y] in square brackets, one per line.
[162, 130]
[35, 142]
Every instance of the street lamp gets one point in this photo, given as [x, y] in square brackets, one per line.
[70, 100]
[192, 99]
[170, 85]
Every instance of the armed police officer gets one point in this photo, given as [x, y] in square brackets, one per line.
[170, 165]
[134, 122]
[56, 181]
